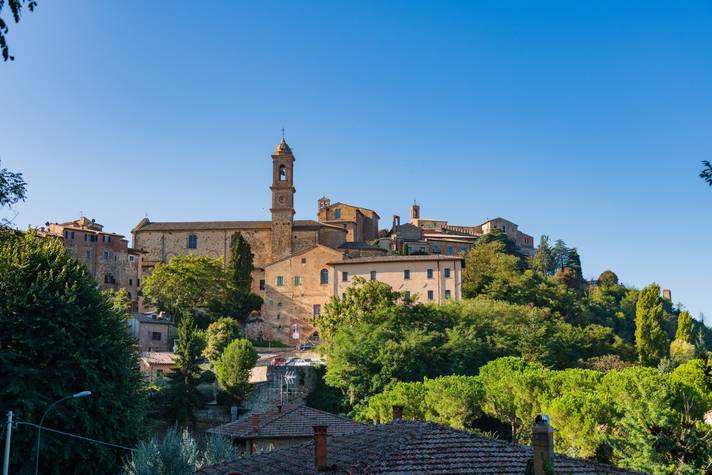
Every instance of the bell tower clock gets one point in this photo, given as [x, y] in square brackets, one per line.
[282, 201]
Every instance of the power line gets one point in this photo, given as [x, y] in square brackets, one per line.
[75, 436]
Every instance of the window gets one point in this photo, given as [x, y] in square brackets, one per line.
[263, 284]
[297, 280]
[130, 281]
[106, 255]
[450, 250]
[88, 254]
[109, 279]
[280, 281]
[429, 273]
[447, 294]
[344, 277]
[304, 259]
[446, 272]
[337, 213]
[430, 295]
[138, 282]
[106, 238]
[131, 258]
[282, 173]
[324, 276]
[373, 275]
[316, 310]
[156, 336]
[192, 241]
[406, 274]
[436, 249]
[69, 234]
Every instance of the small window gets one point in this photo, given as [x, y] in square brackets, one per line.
[436, 249]
[429, 273]
[106, 255]
[447, 294]
[106, 278]
[107, 238]
[263, 284]
[192, 241]
[450, 250]
[297, 280]
[88, 254]
[156, 336]
[130, 281]
[373, 275]
[138, 282]
[69, 234]
[304, 259]
[280, 281]
[282, 173]
[430, 295]
[316, 310]
[406, 274]
[337, 213]
[446, 272]
[131, 258]
[324, 277]
[344, 276]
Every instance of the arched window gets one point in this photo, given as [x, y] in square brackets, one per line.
[282, 173]
[192, 241]
[324, 276]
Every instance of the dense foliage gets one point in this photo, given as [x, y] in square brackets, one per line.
[58, 336]
[178, 454]
[183, 381]
[13, 188]
[233, 368]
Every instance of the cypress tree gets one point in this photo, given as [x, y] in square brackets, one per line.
[183, 381]
[650, 339]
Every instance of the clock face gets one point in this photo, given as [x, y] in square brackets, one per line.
[282, 199]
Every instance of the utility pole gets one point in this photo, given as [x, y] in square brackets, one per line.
[6, 457]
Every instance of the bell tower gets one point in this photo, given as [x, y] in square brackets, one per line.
[282, 201]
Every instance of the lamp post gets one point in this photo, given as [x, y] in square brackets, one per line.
[39, 428]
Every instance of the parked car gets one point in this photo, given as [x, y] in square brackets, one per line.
[278, 361]
[297, 362]
[306, 346]
[314, 361]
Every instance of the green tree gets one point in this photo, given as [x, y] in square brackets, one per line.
[706, 173]
[682, 348]
[218, 335]
[650, 339]
[13, 188]
[183, 381]
[59, 336]
[239, 299]
[16, 12]
[543, 260]
[184, 284]
[453, 400]
[484, 260]
[233, 368]
[607, 279]
[560, 254]
[119, 300]
[362, 300]
[497, 235]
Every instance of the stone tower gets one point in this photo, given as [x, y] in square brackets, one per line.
[282, 201]
[414, 212]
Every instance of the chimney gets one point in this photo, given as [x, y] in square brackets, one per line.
[397, 413]
[255, 422]
[320, 453]
[667, 295]
[543, 445]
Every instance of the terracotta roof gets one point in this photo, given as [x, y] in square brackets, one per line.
[402, 447]
[361, 245]
[293, 421]
[217, 225]
[158, 357]
[429, 257]
[361, 208]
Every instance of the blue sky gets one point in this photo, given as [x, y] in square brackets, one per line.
[586, 121]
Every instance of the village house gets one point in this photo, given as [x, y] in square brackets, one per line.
[153, 332]
[405, 447]
[156, 365]
[282, 427]
[107, 255]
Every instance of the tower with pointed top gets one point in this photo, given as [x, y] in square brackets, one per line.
[282, 201]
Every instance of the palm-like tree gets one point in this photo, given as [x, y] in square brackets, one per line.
[706, 173]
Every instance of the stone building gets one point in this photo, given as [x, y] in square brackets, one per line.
[153, 332]
[361, 224]
[107, 255]
[445, 238]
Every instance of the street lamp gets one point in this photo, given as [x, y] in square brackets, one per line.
[39, 428]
